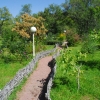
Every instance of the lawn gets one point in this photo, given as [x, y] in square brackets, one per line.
[9, 70]
[65, 87]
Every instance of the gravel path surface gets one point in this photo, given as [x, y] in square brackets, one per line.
[34, 86]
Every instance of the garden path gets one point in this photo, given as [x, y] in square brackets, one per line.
[33, 89]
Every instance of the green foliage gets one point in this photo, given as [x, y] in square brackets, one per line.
[28, 47]
[54, 19]
[12, 45]
[65, 83]
[7, 56]
[84, 14]
[70, 62]
[72, 37]
[90, 43]
[26, 9]
[40, 47]
[18, 47]
[51, 39]
[62, 37]
[71, 65]
[4, 17]
[4, 14]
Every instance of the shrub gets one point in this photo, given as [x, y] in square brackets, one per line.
[72, 37]
[51, 39]
[90, 44]
[7, 56]
[62, 37]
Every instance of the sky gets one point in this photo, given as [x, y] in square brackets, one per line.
[15, 6]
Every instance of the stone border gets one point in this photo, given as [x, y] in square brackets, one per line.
[52, 74]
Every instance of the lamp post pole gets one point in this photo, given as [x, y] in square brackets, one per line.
[33, 30]
[33, 46]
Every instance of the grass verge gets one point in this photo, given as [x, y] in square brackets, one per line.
[19, 87]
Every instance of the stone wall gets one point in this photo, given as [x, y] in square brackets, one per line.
[52, 74]
[9, 87]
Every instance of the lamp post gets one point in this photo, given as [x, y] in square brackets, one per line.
[33, 30]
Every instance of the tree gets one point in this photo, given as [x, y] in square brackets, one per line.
[4, 16]
[27, 21]
[26, 9]
[54, 20]
[84, 13]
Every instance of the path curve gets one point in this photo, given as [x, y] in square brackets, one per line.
[33, 87]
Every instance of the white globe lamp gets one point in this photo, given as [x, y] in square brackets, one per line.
[33, 30]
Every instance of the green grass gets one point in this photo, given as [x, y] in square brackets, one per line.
[18, 88]
[65, 88]
[49, 47]
[8, 71]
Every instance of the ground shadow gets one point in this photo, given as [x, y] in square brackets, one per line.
[51, 64]
[91, 64]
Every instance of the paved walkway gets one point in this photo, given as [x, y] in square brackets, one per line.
[34, 86]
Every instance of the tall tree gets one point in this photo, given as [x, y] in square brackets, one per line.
[54, 20]
[4, 16]
[27, 21]
[84, 13]
[26, 9]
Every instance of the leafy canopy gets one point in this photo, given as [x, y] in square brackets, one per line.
[27, 21]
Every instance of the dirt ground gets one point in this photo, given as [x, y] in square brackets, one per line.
[34, 87]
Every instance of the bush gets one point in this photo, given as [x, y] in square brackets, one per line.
[28, 47]
[51, 39]
[72, 37]
[7, 56]
[89, 45]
